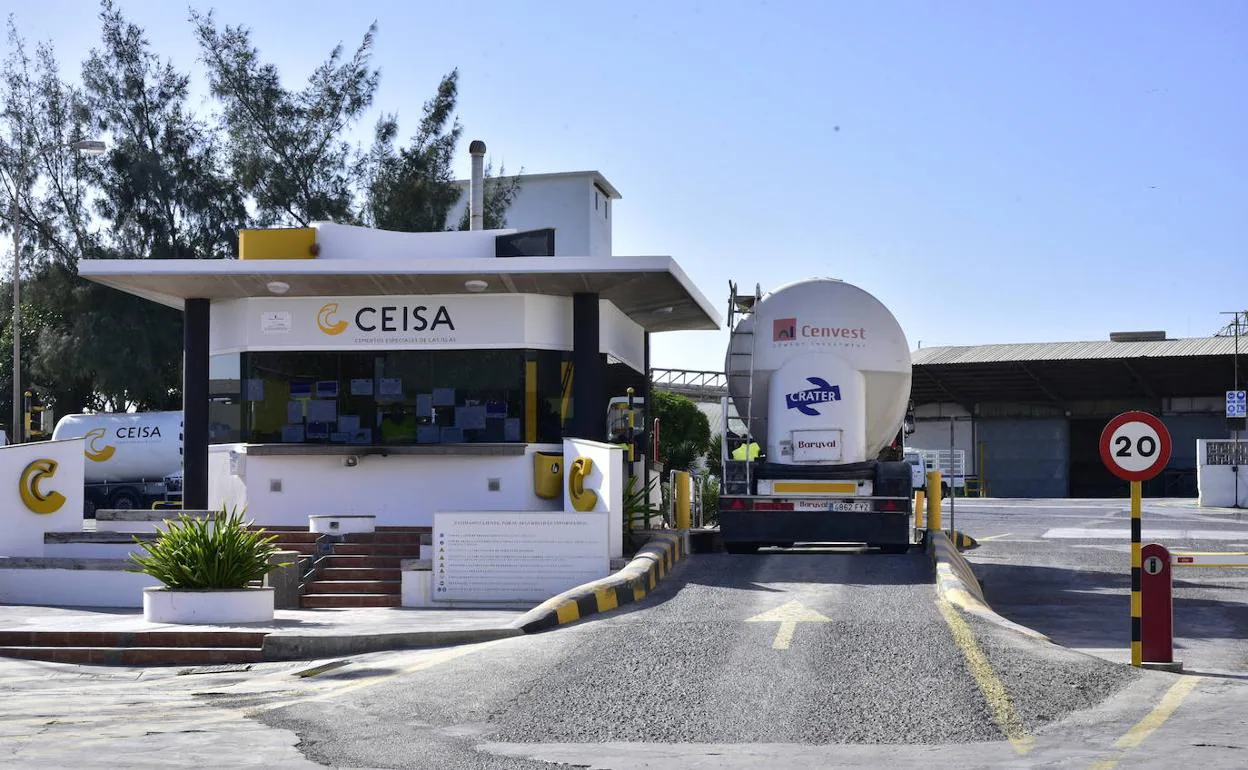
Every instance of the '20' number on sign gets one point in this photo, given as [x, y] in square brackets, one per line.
[1145, 446]
[1135, 446]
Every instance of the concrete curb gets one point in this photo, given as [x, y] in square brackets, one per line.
[956, 583]
[639, 577]
[290, 647]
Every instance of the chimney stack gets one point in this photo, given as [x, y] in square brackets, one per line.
[476, 187]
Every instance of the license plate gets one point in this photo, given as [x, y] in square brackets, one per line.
[857, 506]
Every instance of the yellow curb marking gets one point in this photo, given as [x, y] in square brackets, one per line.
[567, 612]
[606, 599]
[999, 703]
[788, 616]
[1151, 721]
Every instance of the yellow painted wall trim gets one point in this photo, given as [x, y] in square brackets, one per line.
[277, 243]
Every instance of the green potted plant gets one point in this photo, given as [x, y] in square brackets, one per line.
[206, 566]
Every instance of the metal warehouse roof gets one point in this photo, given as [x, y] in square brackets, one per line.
[1076, 351]
[1061, 372]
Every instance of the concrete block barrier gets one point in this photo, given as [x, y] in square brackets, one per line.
[956, 583]
[638, 578]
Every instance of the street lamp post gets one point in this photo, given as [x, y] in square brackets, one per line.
[86, 147]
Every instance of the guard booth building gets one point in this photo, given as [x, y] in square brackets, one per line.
[345, 370]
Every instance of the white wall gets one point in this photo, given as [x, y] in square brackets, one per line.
[564, 202]
[606, 478]
[1217, 484]
[620, 336]
[400, 490]
[337, 241]
[73, 587]
[53, 469]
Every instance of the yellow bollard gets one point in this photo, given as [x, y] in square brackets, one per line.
[933, 500]
[918, 508]
[681, 497]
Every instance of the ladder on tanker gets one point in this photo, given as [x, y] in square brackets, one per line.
[740, 364]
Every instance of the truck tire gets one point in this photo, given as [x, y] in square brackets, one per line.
[125, 500]
[90, 502]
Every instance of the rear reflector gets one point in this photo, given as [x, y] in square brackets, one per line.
[764, 506]
[734, 504]
[890, 505]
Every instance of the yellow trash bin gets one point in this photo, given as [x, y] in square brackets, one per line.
[548, 474]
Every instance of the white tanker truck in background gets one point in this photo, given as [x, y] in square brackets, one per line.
[133, 459]
[819, 375]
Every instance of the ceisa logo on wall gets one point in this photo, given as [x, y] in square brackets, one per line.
[31, 491]
[805, 401]
[385, 320]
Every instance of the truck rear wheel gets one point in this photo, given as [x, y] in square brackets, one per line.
[124, 500]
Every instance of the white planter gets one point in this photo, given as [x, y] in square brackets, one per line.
[219, 607]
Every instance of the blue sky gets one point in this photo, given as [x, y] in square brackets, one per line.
[993, 172]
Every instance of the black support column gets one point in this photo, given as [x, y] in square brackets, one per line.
[588, 371]
[195, 405]
[647, 428]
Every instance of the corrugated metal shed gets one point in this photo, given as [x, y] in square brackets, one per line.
[1076, 351]
[1062, 372]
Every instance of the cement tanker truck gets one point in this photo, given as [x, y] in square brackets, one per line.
[133, 459]
[818, 374]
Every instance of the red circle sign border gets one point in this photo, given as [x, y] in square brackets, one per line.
[1153, 422]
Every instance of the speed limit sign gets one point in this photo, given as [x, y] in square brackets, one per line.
[1135, 446]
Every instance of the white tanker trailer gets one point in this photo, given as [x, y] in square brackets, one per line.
[819, 374]
[130, 457]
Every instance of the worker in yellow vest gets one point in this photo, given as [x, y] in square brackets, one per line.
[746, 451]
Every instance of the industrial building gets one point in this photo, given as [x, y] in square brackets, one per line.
[1029, 416]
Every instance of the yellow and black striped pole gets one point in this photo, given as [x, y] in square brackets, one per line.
[1137, 650]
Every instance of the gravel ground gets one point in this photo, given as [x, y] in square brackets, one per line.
[684, 667]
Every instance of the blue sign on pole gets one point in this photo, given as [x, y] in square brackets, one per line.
[1236, 403]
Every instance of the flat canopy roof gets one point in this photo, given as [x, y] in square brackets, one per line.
[652, 291]
[1060, 372]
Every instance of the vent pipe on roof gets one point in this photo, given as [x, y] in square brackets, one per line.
[1137, 336]
[476, 186]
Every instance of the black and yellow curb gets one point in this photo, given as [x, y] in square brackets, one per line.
[964, 541]
[956, 583]
[638, 578]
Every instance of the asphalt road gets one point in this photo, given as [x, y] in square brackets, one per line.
[793, 660]
[1063, 568]
[869, 660]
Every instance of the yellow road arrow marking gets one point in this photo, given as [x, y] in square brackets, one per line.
[788, 615]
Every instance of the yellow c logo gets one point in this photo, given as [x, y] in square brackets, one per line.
[325, 320]
[94, 453]
[28, 488]
[582, 499]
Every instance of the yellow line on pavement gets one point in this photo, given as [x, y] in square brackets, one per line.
[998, 699]
[1151, 721]
[993, 537]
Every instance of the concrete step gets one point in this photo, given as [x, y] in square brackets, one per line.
[404, 550]
[197, 639]
[304, 548]
[137, 656]
[353, 587]
[356, 561]
[313, 601]
[387, 538]
[294, 537]
[363, 573]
